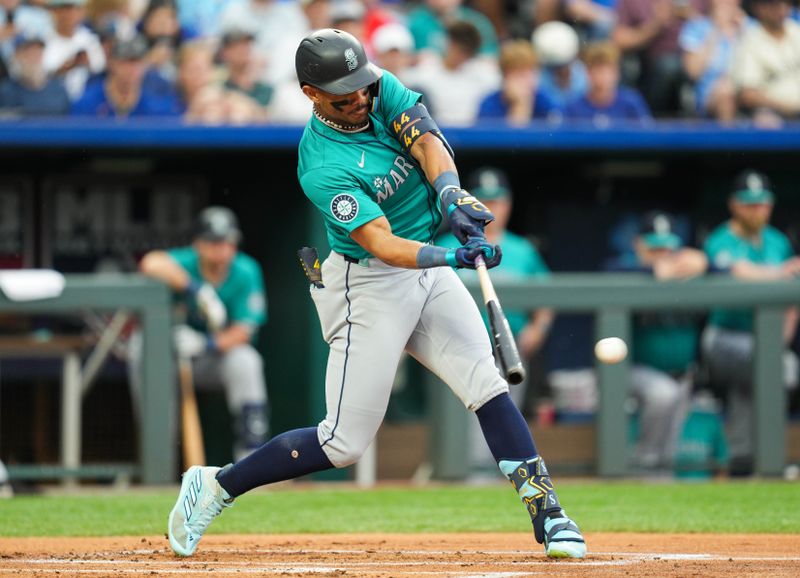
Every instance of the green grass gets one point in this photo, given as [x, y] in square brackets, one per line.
[637, 507]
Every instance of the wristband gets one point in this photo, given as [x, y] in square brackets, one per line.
[429, 256]
[193, 287]
[446, 184]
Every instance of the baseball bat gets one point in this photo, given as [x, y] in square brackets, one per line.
[194, 453]
[504, 345]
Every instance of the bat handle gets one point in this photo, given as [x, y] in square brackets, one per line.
[487, 289]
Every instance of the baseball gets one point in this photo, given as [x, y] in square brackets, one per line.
[611, 350]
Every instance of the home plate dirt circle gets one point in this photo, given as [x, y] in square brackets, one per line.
[405, 555]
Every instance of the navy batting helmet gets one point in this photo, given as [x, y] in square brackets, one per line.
[334, 61]
[218, 224]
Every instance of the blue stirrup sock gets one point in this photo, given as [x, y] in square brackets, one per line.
[289, 455]
[512, 446]
[505, 430]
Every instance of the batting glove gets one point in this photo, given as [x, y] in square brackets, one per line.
[211, 307]
[465, 256]
[467, 216]
[189, 342]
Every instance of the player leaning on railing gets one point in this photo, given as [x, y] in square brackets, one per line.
[380, 172]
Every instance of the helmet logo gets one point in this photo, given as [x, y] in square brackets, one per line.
[351, 59]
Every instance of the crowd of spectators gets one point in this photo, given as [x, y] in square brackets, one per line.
[232, 61]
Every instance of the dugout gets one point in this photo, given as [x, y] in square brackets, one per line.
[83, 195]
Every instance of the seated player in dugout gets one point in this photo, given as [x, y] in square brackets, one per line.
[521, 261]
[665, 343]
[377, 167]
[746, 247]
[220, 295]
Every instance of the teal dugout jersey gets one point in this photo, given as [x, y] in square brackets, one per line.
[724, 248]
[354, 178]
[242, 292]
[521, 261]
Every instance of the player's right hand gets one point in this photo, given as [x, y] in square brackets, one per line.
[188, 342]
[211, 307]
[467, 217]
[477, 246]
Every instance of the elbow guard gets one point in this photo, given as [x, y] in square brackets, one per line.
[414, 122]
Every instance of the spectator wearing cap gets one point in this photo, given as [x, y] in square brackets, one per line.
[649, 29]
[519, 99]
[746, 247]
[453, 86]
[664, 344]
[563, 76]
[278, 28]
[521, 261]
[221, 293]
[767, 71]
[393, 48]
[30, 91]
[72, 51]
[606, 101]
[18, 18]
[123, 93]
[236, 54]
[429, 26]
[348, 15]
[708, 45]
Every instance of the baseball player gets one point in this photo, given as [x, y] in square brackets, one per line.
[747, 248]
[381, 173]
[222, 292]
[664, 343]
[521, 261]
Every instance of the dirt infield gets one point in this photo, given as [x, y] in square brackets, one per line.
[405, 555]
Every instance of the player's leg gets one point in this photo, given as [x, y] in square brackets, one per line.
[451, 340]
[729, 355]
[366, 318]
[242, 374]
[659, 396]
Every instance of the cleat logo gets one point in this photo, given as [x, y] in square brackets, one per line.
[190, 501]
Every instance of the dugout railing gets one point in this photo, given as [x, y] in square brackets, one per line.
[152, 303]
[613, 299]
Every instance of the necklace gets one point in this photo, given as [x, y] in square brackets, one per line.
[348, 128]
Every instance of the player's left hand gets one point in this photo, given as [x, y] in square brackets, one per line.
[467, 217]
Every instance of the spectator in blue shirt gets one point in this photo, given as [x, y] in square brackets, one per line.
[708, 44]
[30, 91]
[519, 99]
[606, 101]
[123, 93]
[563, 76]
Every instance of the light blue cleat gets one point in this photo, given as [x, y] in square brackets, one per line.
[562, 538]
[200, 500]
[551, 526]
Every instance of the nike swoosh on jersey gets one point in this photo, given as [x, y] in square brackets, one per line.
[361, 162]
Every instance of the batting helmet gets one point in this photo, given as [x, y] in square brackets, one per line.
[218, 224]
[334, 61]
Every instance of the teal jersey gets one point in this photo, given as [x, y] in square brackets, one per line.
[520, 261]
[355, 178]
[665, 341]
[724, 248]
[242, 292]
